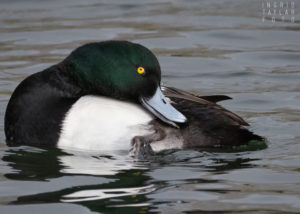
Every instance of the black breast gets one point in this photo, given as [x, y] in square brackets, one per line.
[37, 107]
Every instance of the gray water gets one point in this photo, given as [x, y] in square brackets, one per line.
[207, 47]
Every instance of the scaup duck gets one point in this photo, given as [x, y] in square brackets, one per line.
[108, 96]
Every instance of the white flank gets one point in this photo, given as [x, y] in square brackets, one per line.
[100, 123]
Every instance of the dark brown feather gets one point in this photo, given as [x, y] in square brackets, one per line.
[180, 94]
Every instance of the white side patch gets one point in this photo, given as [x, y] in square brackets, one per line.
[100, 123]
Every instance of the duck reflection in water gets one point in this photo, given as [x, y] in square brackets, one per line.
[101, 178]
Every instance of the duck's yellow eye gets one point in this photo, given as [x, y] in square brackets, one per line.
[140, 70]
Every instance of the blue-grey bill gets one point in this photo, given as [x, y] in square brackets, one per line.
[161, 108]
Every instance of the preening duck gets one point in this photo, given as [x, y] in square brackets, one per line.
[108, 96]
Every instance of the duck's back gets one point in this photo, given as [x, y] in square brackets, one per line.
[209, 124]
[210, 127]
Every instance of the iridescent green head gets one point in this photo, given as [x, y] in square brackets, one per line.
[117, 69]
[122, 70]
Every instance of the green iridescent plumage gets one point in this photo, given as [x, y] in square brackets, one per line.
[111, 67]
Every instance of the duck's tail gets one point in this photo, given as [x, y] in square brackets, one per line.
[251, 141]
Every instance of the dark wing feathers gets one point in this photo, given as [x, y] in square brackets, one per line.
[209, 124]
[208, 101]
[170, 91]
[215, 98]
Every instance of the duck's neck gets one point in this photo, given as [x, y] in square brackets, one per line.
[60, 77]
[42, 100]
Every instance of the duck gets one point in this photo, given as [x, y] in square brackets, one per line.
[108, 95]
